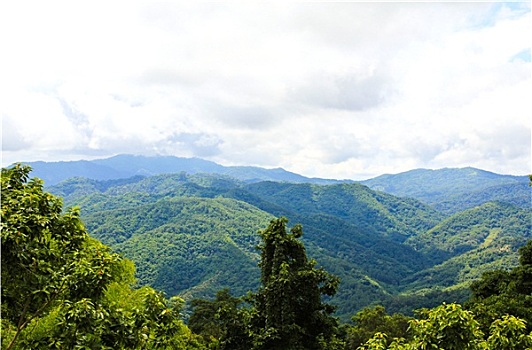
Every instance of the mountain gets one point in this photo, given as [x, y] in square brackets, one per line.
[351, 230]
[468, 243]
[55, 172]
[518, 194]
[124, 166]
[192, 234]
[451, 190]
[186, 245]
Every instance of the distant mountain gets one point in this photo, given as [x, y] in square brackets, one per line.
[449, 190]
[455, 189]
[124, 166]
[518, 194]
[55, 172]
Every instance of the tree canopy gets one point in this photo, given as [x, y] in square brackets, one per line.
[290, 313]
[62, 289]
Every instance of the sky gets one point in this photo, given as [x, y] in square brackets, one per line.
[344, 90]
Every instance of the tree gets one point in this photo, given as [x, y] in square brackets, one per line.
[509, 333]
[498, 293]
[47, 255]
[374, 320]
[221, 321]
[289, 312]
[63, 289]
[449, 326]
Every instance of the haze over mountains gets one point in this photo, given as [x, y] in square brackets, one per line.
[448, 190]
[407, 240]
[124, 166]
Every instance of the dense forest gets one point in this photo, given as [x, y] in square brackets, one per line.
[399, 252]
[64, 289]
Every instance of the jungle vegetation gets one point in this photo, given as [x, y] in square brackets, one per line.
[62, 288]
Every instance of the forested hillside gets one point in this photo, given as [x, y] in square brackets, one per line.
[452, 190]
[448, 190]
[193, 234]
[66, 290]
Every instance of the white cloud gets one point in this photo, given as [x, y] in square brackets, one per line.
[344, 90]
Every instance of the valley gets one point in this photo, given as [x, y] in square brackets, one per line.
[193, 233]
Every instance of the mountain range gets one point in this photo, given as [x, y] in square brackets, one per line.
[407, 240]
[124, 166]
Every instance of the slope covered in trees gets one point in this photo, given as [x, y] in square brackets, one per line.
[155, 221]
[497, 316]
[378, 244]
[452, 190]
[185, 244]
[66, 290]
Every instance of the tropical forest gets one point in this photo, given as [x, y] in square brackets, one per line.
[174, 253]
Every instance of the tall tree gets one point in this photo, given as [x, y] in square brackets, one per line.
[289, 311]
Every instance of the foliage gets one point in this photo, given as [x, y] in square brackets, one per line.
[46, 255]
[371, 321]
[62, 289]
[222, 322]
[501, 292]
[289, 312]
[449, 327]
[192, 234]
[508, 333]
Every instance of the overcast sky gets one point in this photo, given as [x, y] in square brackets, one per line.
[334, 90]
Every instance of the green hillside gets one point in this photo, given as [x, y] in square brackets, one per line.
[182, 244]
[378, 213]
[463, 246]
[195, 234]
[454, 189]
[65, 289]
[490, 225]
[518, 194]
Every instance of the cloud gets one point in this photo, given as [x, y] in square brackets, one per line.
[352, 91]
[325, 89]
[12, 139]
[197, 145]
